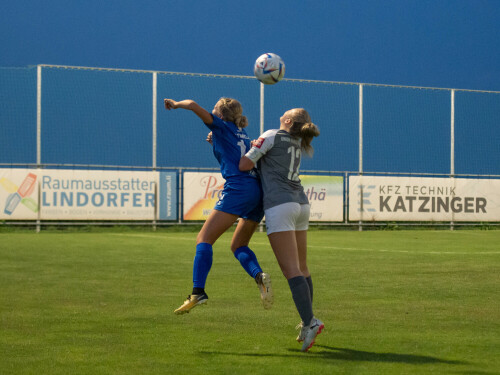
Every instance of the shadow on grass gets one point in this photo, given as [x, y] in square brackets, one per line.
[359, 355]
[344, 354]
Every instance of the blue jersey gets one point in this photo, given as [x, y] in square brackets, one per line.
[230, 143]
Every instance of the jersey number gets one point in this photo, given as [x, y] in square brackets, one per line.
[292, 172]
[242, 147]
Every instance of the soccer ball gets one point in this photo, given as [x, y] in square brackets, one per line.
[269, 68]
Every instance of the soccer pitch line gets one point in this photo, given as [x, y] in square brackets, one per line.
[360, 249]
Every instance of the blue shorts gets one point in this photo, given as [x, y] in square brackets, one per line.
[242, 198]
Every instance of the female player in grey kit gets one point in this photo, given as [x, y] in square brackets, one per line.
[286, 207]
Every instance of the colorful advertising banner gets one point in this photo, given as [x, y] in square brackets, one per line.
[202, 190]
[374, 198]
[46, 194]
[18, 194]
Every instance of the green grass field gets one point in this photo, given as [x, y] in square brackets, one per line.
[393, 302]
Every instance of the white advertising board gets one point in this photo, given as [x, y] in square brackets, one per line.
[373, 198]
[326, 196]
[97, 195]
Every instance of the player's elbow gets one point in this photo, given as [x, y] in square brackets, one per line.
[245, 164]
[190, 104]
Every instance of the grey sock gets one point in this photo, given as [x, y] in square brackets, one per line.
[302, 298]
[310, 283]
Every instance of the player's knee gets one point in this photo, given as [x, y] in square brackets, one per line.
[290, 273]
[235, 245]
[304, 270]
[203, 237]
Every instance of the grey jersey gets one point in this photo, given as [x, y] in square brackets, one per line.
[278, 156]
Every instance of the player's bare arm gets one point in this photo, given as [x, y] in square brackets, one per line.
[245, 164]
[191, 105]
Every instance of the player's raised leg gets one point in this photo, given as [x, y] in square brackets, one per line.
[216, 224]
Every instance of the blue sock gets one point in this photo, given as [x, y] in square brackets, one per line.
[202, 264]
[248, 260]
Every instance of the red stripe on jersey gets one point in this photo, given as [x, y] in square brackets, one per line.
[258, 143]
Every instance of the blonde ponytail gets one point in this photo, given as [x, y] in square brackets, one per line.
[241, 122]
[308, 131]
[303, 128]
[232, 111]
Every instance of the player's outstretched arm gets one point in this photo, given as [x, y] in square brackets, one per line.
[191, 105]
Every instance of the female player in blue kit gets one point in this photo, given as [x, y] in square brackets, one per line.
[240, 198]
[278, 153]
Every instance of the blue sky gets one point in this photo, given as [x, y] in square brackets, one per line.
[432, 43]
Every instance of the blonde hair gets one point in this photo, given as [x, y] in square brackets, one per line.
[303, 128]
[232, 111]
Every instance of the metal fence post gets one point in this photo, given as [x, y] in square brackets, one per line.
[346, 198]
[452, 146]
[154, 110]
[360, 168]
[38, 136]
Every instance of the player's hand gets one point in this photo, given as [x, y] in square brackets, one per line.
[253, 142]
[209, 138]
[170, 104]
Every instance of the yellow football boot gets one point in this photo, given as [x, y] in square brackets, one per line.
[192, 301]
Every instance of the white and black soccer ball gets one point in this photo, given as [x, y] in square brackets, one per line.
[269, 68]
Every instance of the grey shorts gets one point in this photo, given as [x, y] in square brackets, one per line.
[286, 217]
